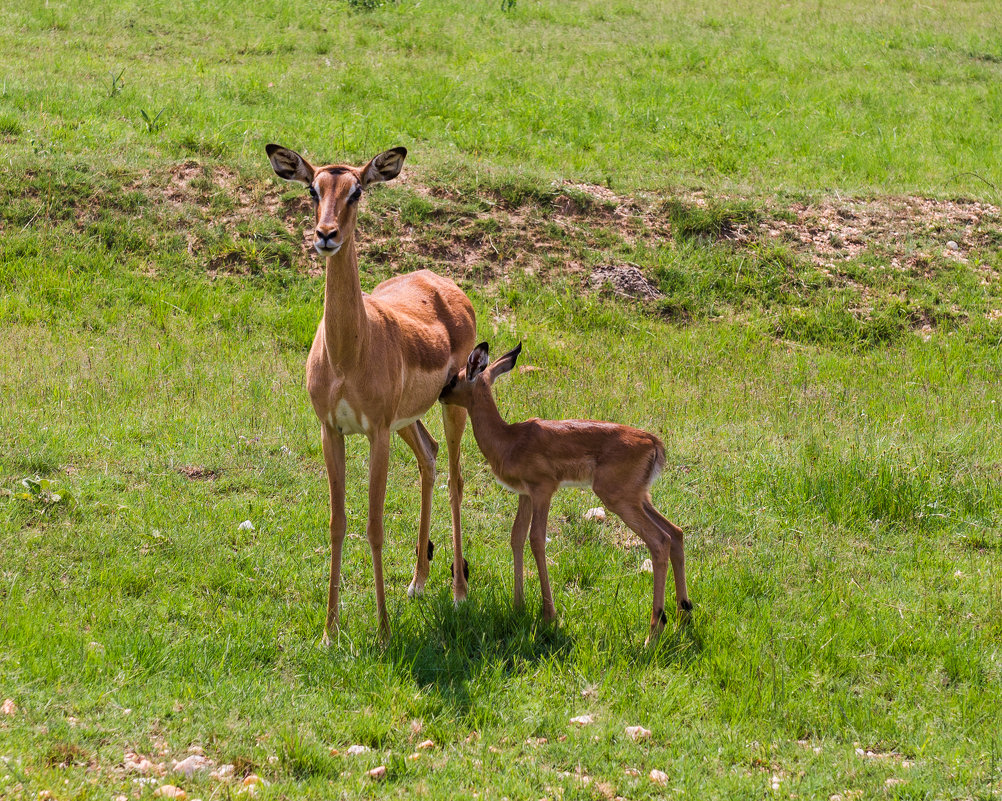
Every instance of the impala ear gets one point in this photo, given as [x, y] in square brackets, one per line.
[288, 164]
[384, 167]
[477, 362]
[506, 362]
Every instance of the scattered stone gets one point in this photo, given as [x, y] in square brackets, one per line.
[170, 791]
[355, 750]
[658, 777]
[951, 245]
[417, 725]
[378, 774]
[583, 720]
[9, 708]
[647, 566]
[638, 732]
[196, 763]
[597, 514]
[893, 781]
[223, 773]
[413, 757]
[196, 749]
[137, 763]
[426, 744]
[253, 779]
[247, 525]
[631, 772]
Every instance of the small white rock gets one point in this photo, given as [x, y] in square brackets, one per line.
[170, 791]
[638, 732]
[9, 708]
[952, 245]
[426, 744]
[658, 776]
[647, 566]
[378, 773]
[355, 750]
[247, 525]
[223, 772]
[196, 763]
[597, 514]
[253, 778]
[583, 720]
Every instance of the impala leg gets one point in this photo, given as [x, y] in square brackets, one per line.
[379, 461]
[425, 449]
[519, 531]
[454, 421]
[333, 444]
[683, 605]
[537, 541]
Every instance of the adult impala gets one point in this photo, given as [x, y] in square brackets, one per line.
[377, 364]
[537, 457]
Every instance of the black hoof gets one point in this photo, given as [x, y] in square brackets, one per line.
[663, 617]
[466, 570]
[686, 605]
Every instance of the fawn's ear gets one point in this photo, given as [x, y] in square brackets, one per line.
[506, 362]
[288, 164]
[384, 167]
[477, 362]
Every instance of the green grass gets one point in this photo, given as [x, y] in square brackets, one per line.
[831, 419]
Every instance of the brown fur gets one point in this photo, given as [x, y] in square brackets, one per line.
[377, 364]
[536, 457]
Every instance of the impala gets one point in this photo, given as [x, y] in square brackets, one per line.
[537, 457]
[377, 364]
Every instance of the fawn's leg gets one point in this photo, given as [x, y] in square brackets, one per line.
[454, 420]
[537, 541]
[683, 605]
[519, 530]
[425, 450]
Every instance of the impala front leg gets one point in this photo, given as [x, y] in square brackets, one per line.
[537, 540]
[519, 530]
[454, 421]
[333, 445]
[379, 461]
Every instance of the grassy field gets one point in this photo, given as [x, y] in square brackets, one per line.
[810, 191]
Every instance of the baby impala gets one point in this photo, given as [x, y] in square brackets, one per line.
[537, 457]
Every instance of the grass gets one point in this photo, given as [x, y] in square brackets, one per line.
[820, 364]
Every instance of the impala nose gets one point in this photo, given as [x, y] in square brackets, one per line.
[326, 240]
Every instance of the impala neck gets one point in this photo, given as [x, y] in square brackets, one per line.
[489, 428]
[346, 326]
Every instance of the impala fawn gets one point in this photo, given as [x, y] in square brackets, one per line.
[537, 457]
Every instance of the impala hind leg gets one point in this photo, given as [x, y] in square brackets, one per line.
[333, 445]
[658, 542]
[683, 605]
[454, 421]
[425, 450]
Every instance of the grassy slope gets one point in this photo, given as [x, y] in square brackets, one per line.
[840, 490]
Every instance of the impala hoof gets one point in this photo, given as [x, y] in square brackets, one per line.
[415, 589]
[466, 570]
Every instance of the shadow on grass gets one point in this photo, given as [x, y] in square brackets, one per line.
[444, 647]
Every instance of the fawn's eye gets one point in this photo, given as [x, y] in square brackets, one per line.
[313, 194]
[356, 193]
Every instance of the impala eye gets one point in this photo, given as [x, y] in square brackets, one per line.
[356, 193]
[313, 194]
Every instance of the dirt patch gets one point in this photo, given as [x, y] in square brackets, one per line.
[626, 281]
[483, 238]
[198, 473]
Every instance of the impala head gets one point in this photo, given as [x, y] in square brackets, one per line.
[335, 189]
[459, 390]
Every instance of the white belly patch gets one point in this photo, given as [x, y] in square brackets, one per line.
[347, 422]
